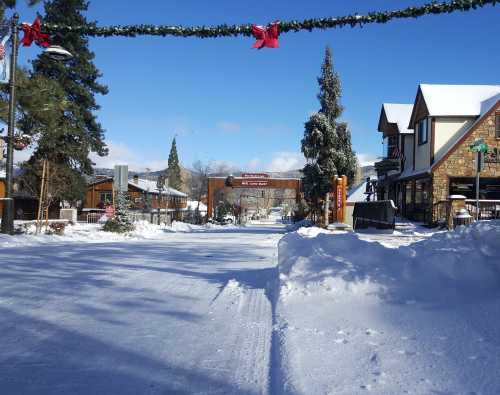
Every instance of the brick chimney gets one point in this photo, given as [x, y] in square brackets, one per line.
[136, 179]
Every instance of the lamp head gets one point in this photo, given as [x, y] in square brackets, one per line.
[56, 52]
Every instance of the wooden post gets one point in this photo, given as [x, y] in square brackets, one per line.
[344, 199]
[210, 200]
[47, 179]
[327, 209]
[41, 198]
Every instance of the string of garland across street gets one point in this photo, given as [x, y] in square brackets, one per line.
[283, 26]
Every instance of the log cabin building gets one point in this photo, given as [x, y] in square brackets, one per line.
[144, 196]
[427, 156]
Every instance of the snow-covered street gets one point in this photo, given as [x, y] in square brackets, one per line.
[187, 313]
[250, 310]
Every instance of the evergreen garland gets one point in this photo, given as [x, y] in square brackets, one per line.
[284, 26]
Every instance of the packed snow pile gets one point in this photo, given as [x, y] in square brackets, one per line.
[92, 233]
[359, 316]
[460, 263]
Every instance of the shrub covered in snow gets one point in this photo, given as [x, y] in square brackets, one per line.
[120, 222]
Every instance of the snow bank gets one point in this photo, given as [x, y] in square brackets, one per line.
[93, 233]
[361, 314]
[459, 263]
[299, 224]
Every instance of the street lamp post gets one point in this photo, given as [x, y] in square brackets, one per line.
[8, 206]
[53, 52]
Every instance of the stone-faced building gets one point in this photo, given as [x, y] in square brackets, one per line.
[446, 120]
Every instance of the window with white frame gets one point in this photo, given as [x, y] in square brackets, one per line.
[423, 134]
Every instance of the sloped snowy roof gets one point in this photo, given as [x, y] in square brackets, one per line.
[150, 186]
[399, 114]
[457, 100]
[17, 172]
[147, 186]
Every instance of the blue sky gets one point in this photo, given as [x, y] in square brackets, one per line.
[229, 103]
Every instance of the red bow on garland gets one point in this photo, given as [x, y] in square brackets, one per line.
[33, 33]
[266, 36]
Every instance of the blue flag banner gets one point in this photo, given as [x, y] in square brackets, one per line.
[4, 60]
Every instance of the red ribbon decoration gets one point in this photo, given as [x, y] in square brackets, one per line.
[266, 36]
[33, 33]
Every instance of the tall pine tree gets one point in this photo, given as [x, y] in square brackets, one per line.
[327, 142]
[329, 97]
[69, 139]
[174, 168]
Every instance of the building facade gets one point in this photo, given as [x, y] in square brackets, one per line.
[143, 194]
[434, 160]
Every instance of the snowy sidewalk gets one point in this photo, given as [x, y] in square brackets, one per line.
[187, 314]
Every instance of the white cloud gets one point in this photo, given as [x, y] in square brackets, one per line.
[367, 159]
[286, 161]
[229, 127]
[121, 154]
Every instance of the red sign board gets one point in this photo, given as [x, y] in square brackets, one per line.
[110, 211]
[255, 175]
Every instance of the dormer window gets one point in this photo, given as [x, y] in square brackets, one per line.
[497, 125]
[423, 134]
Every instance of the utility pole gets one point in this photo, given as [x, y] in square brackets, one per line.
[8, 211]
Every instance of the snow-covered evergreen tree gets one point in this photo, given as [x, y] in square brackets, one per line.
[319, 149]
[174, 168]
[120, 223]
[327, 142]
[330, 90]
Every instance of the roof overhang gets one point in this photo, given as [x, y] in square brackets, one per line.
[386, 127]
[419, 109]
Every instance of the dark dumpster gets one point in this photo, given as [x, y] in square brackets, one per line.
[380, 214]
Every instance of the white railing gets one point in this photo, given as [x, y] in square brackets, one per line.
[93, 218]
[488, 208]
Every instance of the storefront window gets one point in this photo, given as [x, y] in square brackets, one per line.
[421, 192]
[418, 192]
[489, 188]
[408, 194]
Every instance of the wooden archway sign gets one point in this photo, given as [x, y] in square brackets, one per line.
[257, 181]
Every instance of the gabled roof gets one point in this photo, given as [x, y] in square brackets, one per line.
[145, 185]
[150, 186]
[488, 107]
[396, 114]
[453, 100]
